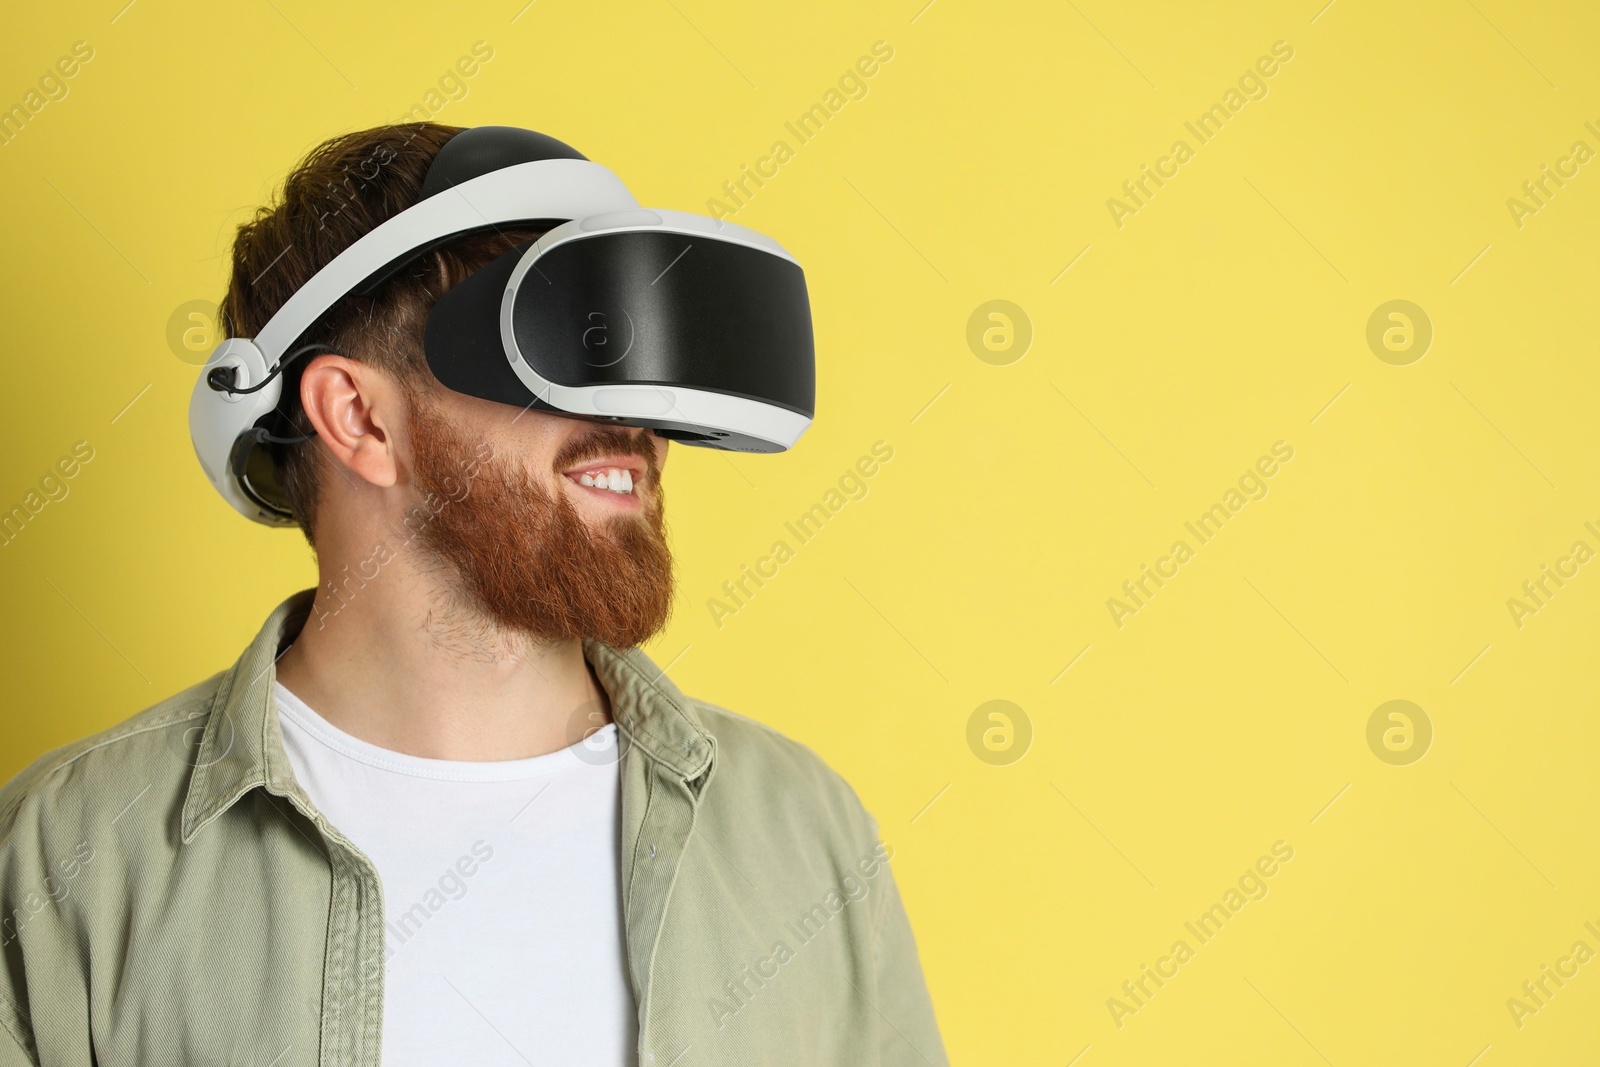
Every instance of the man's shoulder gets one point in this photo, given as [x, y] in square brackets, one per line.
[765, 768]
[85, 779]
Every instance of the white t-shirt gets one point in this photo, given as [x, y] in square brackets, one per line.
[500, 893]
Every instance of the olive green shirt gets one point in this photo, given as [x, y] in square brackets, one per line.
[170, 895]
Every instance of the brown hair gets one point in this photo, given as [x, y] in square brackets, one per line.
[340, 191]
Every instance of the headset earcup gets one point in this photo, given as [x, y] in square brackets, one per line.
[218, 418]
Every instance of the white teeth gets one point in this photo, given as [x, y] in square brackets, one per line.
[615, 479]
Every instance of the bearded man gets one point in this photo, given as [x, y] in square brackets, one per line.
[443, 809]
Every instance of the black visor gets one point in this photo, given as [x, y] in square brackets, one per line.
[632, 307]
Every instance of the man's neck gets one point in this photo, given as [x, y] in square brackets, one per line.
[404, 663]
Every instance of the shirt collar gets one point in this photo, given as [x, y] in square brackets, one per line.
[241, 747]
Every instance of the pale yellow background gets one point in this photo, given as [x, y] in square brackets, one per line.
[1223, 317]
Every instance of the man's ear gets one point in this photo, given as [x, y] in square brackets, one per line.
[353, 407]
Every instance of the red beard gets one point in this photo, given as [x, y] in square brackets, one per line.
[525, 558]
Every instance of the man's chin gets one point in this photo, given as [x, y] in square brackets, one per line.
[539, 563]
[611, 522]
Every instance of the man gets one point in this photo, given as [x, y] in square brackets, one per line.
[442, 809]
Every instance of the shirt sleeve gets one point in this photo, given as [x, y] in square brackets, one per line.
[12, 1051]
[908, 1034]
[18, 1039]
[13, 1020]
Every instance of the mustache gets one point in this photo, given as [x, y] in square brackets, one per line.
[606, 441]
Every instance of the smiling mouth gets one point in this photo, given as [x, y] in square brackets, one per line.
[617, 480]
[617, 477]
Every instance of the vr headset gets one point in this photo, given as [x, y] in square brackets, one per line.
[694, 328]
